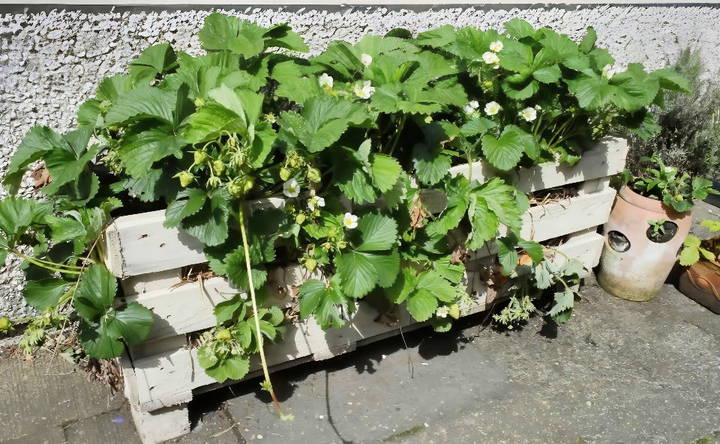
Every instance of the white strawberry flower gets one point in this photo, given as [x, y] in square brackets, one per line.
[492, 108]
[529, 114]
[496, 46]
[350, 221]
[366, 59]
[490, 58]
[442, 312]
[471, 107]
[608, 71]
[364, 90]
[291, 188]
[316, 202]
[326, 81]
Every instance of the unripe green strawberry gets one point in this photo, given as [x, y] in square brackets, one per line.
[200, 157]
[310, 264]
[199, 102]
[186, 178]
[299, 219]
[313, 175]
[285, 173]
[223, 335]
[218, 166]
[454, 311]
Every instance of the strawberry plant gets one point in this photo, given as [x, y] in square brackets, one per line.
[354, 139]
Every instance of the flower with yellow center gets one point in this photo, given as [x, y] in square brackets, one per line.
[350, 221]
[291, 188]
[528, 114]
[366, 59]
[492, 108]
[490, 58]
[326, 81]
[364, 90]
[496, 46]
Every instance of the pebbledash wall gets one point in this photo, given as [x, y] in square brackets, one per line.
[52, 59]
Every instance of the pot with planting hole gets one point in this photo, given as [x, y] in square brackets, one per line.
[642, 242]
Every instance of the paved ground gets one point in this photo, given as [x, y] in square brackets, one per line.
[619, 372]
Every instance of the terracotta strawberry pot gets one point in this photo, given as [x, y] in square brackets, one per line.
[635, 261]
[701, 282]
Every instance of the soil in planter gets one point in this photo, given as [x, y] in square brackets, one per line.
[552, 195]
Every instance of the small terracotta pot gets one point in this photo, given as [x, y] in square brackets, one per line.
[634, 265]
[701, 282]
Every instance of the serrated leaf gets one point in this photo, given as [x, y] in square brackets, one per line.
[588, 41]
[505, 153]
[188, 202]
[357, 273]
[45, 293]
[385, 172]
[96, 342]
[210, 121]
[549, 74]
[378, 232]
[403, 286]
[144, 102]
[507, 256]
[210, 225]
[354, 183]
[95, 293]
[17, 214]
[139, 152]
[323, 120]
[533, 249]
[132, 323]
[225, 33]
[421, 304]
[564, 303]
[519, 28]
[322, 300]
[225, 311]
[64, 228]
[38, 141]
[429, 162]
[152, 61]
[437, 286]
[229, 368]
[237, 271]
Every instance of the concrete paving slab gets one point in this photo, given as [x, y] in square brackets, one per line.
[618, 372]
[216, 427]
[106, 428]
[45, 391]
[41, 435]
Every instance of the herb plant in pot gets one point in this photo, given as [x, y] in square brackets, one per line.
[701, 280]
[647, 226]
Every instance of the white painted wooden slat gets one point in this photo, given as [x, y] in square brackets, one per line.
[605, 159]
[567, 215]
[186, 308]
[169, 378]
[140, 244]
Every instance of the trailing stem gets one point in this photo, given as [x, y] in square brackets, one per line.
[267, 384]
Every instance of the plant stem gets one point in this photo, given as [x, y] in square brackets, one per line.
[258, 331]
[400, 127]
[52, 266]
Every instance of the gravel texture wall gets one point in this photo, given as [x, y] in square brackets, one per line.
[52, 60]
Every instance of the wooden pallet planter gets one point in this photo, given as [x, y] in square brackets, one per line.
[162, 374]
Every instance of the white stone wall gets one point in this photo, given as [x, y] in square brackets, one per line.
[52, 60]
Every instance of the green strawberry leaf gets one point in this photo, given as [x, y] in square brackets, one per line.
[95, 293]
[378, 232]
[45, 293]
